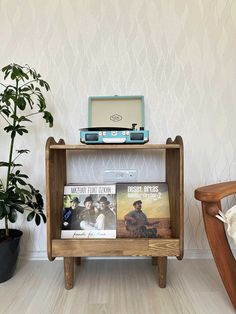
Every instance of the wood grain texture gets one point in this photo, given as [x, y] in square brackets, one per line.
[78, 261]
[215, 192]
[221, 251]
[154, 260]
[115, 247]
[162, 267]
[70, 248]
[115, 146]
[107, 285]
[175, 180]
[210, 197]
[69, 272]
[55, 181]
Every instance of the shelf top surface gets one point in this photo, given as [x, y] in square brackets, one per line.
[115, 146]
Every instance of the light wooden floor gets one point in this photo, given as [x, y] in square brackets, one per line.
[115, 286]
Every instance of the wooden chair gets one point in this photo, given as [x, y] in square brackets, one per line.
[210, 197]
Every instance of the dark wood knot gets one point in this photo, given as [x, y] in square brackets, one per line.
[212, 209]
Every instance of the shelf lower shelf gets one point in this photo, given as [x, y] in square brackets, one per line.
[115, 247]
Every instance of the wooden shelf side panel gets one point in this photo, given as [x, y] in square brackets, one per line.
[175, 180]
[55, 181]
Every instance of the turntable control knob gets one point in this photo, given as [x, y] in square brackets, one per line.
[133, 126]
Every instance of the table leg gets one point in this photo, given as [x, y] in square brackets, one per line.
[162, 266]
[78, 261]
[154, 260]
[69, 272]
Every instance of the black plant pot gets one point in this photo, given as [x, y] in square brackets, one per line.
[9, 251]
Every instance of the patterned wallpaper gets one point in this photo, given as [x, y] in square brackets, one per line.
[181, 55]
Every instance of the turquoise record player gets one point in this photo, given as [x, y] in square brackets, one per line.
[115, 120]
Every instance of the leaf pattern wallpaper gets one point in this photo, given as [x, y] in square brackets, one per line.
[179, 54]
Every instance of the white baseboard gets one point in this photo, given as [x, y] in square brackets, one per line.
[33, 255]
[188, 254]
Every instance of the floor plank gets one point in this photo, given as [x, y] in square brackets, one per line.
[115, 286]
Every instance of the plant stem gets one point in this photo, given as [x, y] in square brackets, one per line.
[4, 118]
[28, 83]
[32, 114]
[2, 184]
[11, 152]
[16, 157]
[6, 226]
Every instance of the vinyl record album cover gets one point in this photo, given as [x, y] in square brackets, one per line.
[143, 210]
[89, 211]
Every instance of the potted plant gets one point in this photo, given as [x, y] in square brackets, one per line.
[20, 99]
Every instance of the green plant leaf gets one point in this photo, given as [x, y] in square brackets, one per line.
[23, 192]
[30, 216]
[25, 89]
[42, 103]
[21, 104]
[16, 165]
[20, 129]
[19, 208]
[14, 73]
[4, 208]
[7, 72]
[8, 94]
[22, 118]
[12, 216]
[37, 219]
[41, 83]
[30, 204]
[25, 75]
[49, 118]
[43, 217]
[18, 174]
[5, 110]
[39, 200]
[22, 182]
[4, 164]
[9, 128]
[29, 100]
[23, 151]
[23, 176]
[3, 212]
[6, 68]
[15, 117]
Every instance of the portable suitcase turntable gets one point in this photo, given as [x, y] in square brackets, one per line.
[115, 120]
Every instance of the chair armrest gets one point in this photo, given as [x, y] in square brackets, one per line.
[215, 192]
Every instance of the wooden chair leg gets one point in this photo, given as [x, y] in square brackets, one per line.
[69, 272]
[162, 266]
[78, 261]
[221, 251]
[154, 260]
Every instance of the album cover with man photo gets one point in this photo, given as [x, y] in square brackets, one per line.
[143, 210]
[89, 211]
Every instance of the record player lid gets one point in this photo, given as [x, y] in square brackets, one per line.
[116, 111]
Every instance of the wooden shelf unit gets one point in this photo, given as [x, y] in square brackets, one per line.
[70, 249]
